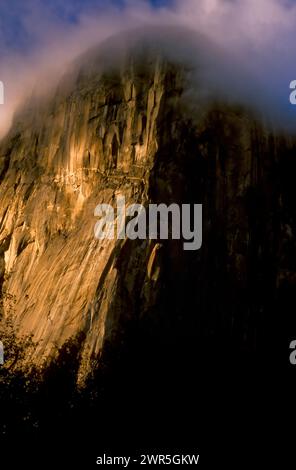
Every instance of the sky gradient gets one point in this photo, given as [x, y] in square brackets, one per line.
[18, 33]
[39, 38]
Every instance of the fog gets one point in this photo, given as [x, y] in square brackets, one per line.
[252, 40]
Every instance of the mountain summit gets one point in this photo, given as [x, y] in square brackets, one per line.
[142, 126]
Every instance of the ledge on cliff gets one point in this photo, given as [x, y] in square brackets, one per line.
[147, 123]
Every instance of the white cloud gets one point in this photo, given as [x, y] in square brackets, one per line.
[259, 33]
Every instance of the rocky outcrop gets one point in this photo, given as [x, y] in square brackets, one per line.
[129, 130]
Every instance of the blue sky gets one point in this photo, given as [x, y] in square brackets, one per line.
[15, 34]
[39, 34]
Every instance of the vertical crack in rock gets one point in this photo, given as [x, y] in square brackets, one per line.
[129, 130]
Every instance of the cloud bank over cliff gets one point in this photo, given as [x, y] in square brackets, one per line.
[39, 40]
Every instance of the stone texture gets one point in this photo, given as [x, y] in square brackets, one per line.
[129, 130]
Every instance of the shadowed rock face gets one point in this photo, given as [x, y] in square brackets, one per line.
[130, 130]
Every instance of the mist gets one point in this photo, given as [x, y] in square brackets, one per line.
[255, 39]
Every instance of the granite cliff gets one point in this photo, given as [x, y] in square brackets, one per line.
[129, 128]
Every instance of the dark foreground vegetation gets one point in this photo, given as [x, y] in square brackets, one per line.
[141, 397]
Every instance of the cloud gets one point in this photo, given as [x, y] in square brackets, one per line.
[39, 39]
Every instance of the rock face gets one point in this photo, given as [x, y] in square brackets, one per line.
[128, 130]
